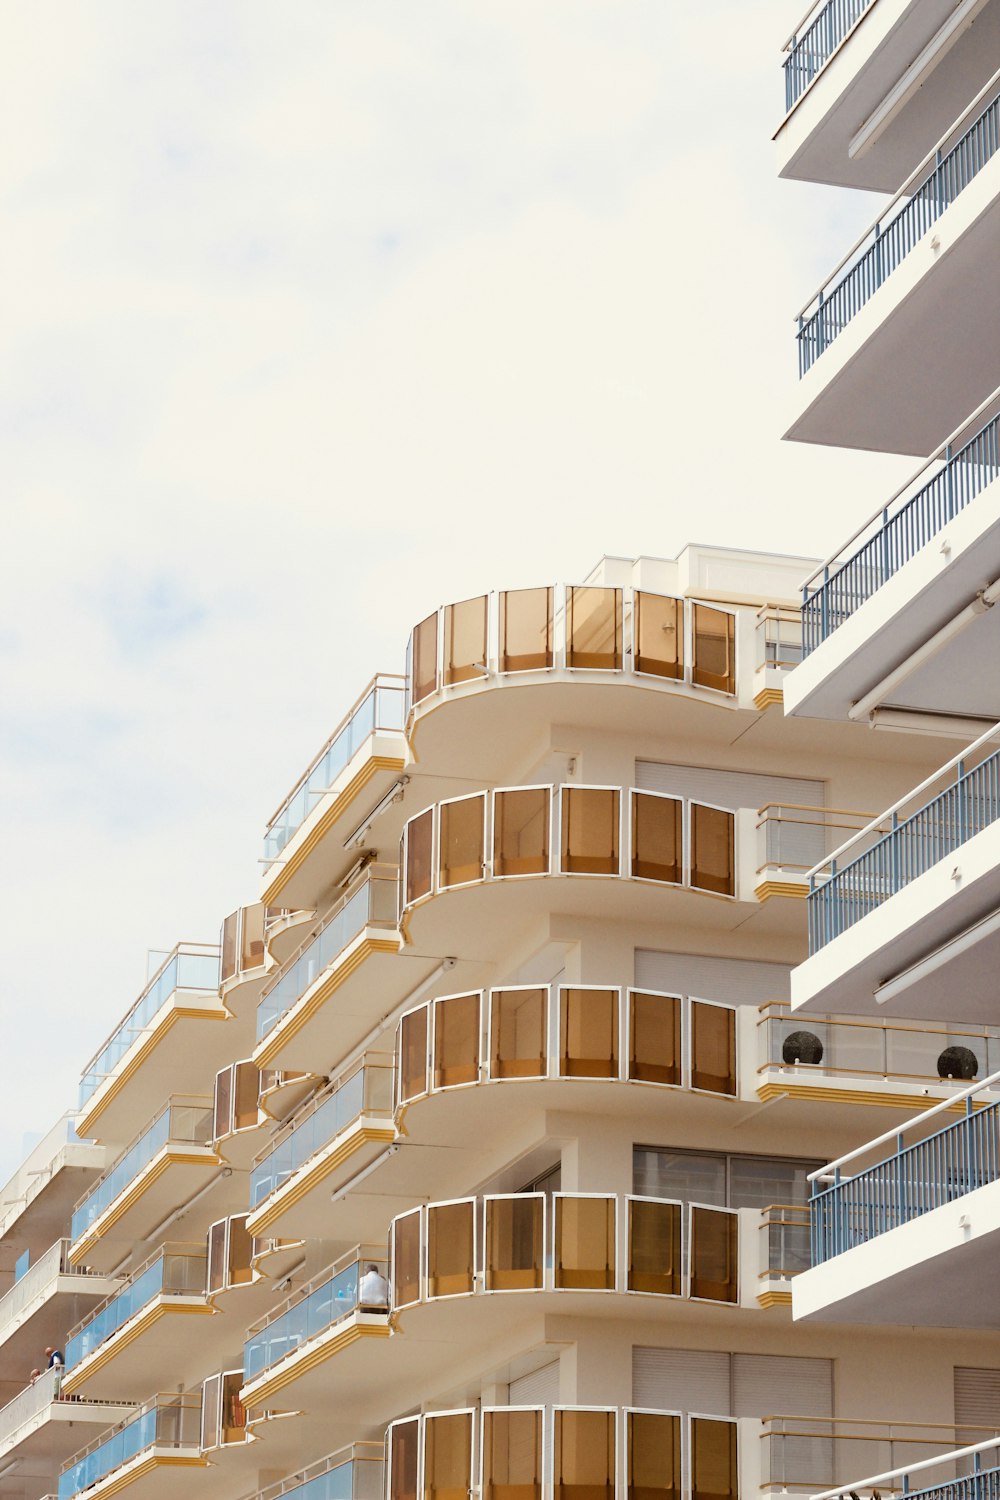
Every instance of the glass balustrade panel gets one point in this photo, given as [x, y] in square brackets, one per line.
[246, 1089]
[713, 849]
[517, 1033]
[515, 1230]
[465, 640]
[521, 831]
[653, 1456]
[230, 946]
[525, 630]
[234, 1417]
[211, 1412]
[657, 838]
[654, 1037]
[456, 1040]
[654, 1247]
[512, 1455]
[413, 1054]
[240, 1252]
[128, 1167]
[406, 1259]
[217, 1262]
[594, 628]
[448, 1456]
[404, 1451]
[419, 856]
[252, 937]
[714, 1252]
[713, 1048]
[590, 826]
[424, 656]
[584, 1455]
[658, 635]
[714, 1474]
[451, 1249]
[585, 1243]
[714, 664]
[461, 841]
[588, 1033]
[222, 1115]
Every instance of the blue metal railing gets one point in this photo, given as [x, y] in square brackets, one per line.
[910, 847]
[983, 1484]
[809, 53]
[912, 1182]
[832, 596]
[888, 244]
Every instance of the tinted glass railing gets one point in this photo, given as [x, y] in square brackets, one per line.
[188, 1123]
[313, 1309]
[168, 1421]
[371, 904]
[189, 968]
[171, 1272]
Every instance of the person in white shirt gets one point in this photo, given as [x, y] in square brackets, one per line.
[373, 1292]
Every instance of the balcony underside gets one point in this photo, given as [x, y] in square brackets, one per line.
[285, 934]
[170, 1179]
[933, 1272]
[45, 1320]
[157, 1474]
[924, 351]
[54, 1435]
[43, 1219]
[170, 1336]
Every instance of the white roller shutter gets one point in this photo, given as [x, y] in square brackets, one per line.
[681, 1380]
[977, 1399]
[767, 1385]
[536, 1388]
[737, 981]
[727, 788]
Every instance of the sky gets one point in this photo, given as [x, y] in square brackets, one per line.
[314, 316]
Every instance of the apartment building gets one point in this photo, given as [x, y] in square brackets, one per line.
[475, 1155]
[899, 352]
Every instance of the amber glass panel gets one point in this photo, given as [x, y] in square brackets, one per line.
[456, 1040]
[657, 838]
[521, 831]
[403, 1451]
[590, 825]
[419, 851]
[714, 649]
[713, 1460]
[465, 640]
[714, 1253]
[584, 1457]
[217, 1256]
[234, 1417]
[654, 1456]
[450, 1249]
[713, 849]
[512, 1455]
[517, 1033]
[585, 1242]
[406, 1259]
[448, 1456]
[654, 1247]
[252, 937]
[713, 1048]
[230, 946]
[245, 1095]
[658, 630]
[588, 1033]
[423, 658]
[594, 628]
[514, 1242]
[413, 1055]
[211, 1411]
[525, 630]
[222, 1117]
[240, 1252]
[654, 1038]
[461, 835]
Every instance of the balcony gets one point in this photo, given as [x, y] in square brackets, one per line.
[153, 1045]
[49, 1295]
[905, 911]
[146, 1451]
[245, 956]
[779, 651]
[353, 1473]
[862, 339]
[237, 1116]
[337, 1134]
[45, 1186]
[800, 1455]
[39, 1429]
[792, 839]
[170, 1159]
[304, 849]
[870, 87]
[910, 1233]
[351, 954]
[154, 1322]
[287, 1351]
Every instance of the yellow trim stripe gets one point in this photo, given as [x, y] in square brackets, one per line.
[303, 1182]
[797, 889]
[113, 1086]
[774, 1299]
[264, 1390]
[121, 1339]
[767, 697]
[767, 1091]
[120, 1206]
[301, 1013]
[115, 1483]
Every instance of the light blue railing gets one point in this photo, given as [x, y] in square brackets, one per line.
[353, 1473]
[897, 533]
[312, 1311]
[178, 1122]
[335, 1484]
[380, 707]
[169, 1422]
[910, 847]
[892, 239]
[179, 1273]
[809, 53]
[181, 971]
[367, 1088]
[373, 903]
[983, 1484]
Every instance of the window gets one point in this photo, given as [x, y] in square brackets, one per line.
[406, 1259]
[653, 1456]
[404, 1447]
[461, 841]
[584, 1458]
[514, 1239]
[713, 849]
[654, 1247]
[413, 1054]
[588, 1033]
[713, 1047]
[657, 838]
[451, 1249]
[517, 1033]
[512, 1455]
[448, 1456]
[419, 855]
[720, 1180]
[585, 1242]
[654, 1037]
[714, 632]
[456, 1040]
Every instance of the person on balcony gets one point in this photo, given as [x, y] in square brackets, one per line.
[373, 1293]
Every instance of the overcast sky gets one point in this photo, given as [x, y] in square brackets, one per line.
[317, 314]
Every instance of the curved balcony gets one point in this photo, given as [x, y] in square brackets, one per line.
[237, 1116]
[236, 1284]
[147, 1449]
[154, 1322]
[304, 846]
[39, 1427]
[175, 1016]
[277, 1259]
[283, 931]
[163, 1167]
[289, 1348]
[282, 1092]
[342, 1130]
[35, 1311]
[245, 957]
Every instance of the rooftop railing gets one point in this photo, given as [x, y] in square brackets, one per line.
[168, 1420]
[190, 966]
[311, 1310]
[176, 1270]
[814, 41]
[379, 708]
[943, 175]
[182, 1120]
[909, 1180]
[353, 1473]
[900, 846]
[372, 903]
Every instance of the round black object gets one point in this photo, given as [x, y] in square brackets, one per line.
[958, 1062]
[802, 1047]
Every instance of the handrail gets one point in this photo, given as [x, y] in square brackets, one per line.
[984, 1034]
[815, 8]
[915, 1468]
[168, 1400]
[894, 1135]
[839, 812]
